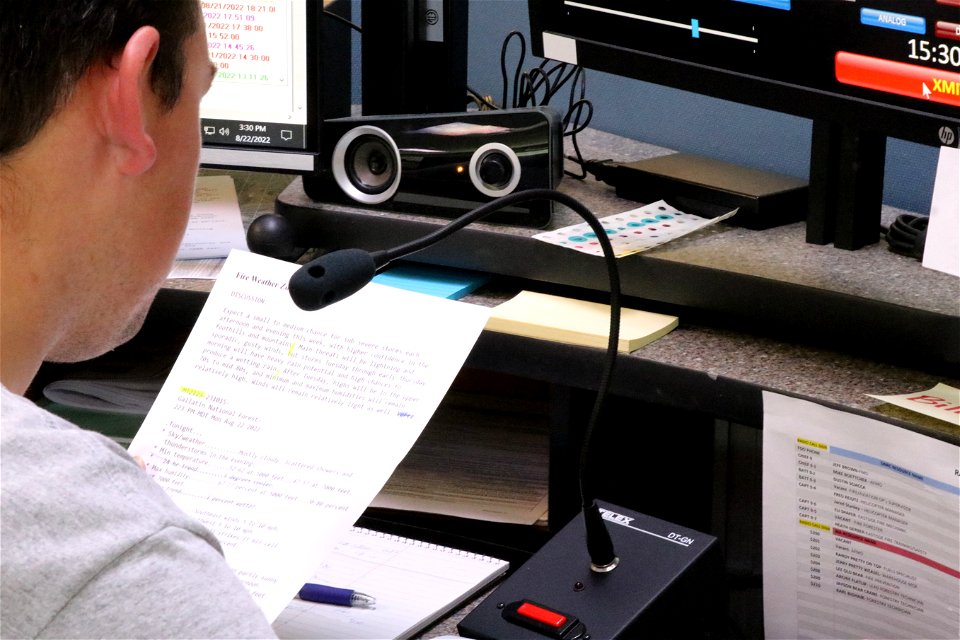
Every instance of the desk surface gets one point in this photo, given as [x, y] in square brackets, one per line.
[715, 361]
[713, 366]
[871, 302]
[843, 324]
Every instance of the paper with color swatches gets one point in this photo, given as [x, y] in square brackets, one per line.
[632, 231]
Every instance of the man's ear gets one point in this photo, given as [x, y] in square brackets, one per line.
[129, 102]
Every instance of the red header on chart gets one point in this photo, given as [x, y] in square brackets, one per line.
[923, 83]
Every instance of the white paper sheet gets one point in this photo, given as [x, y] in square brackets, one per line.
[414, 583]
[941, 250]
[941, 402]
[632, 231]
[197, 269]
[277, 426]
[861, 527]
[215, 225]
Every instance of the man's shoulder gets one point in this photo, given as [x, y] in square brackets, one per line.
[75, 480]
[73, 503]
[62, 471]
[37, 444]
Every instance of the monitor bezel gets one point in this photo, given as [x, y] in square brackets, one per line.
[885, 118]
[285, 160]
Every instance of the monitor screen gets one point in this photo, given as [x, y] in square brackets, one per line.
[861, 72]
[892, 66]
[268, 100]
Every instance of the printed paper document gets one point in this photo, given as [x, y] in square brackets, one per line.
[861, 526]
[214, 229]
[276, 427]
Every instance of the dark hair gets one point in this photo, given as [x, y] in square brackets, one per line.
[47, 45]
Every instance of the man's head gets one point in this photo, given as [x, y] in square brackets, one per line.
[47, 45]
[99, 145]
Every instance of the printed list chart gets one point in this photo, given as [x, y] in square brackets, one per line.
[861, 527]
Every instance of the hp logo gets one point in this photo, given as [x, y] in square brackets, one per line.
[948, 137]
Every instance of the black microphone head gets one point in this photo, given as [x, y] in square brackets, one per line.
[331, 277]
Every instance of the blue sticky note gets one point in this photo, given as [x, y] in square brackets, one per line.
[442, 282]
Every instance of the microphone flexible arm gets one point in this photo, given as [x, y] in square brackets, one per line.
[310, 291]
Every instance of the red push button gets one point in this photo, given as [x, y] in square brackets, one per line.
[909, 80]
[950, 30]
[549, 622]
[541, 615]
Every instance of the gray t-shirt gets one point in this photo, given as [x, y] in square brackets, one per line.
[92, 547]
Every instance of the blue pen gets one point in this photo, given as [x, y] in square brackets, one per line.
[333, 595]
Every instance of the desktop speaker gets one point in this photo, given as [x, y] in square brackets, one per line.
[442, 163]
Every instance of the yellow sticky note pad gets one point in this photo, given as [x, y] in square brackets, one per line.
[547, 317]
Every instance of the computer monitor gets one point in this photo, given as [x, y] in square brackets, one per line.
[860, 72]
[283, 68]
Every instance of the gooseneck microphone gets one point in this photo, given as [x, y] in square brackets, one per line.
[339, 274]
[665, 582]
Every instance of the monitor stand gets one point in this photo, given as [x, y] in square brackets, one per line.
[846, 186]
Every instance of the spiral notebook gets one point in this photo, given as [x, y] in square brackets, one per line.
[415, 583]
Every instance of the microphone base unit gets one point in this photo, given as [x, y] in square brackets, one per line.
[668, 583]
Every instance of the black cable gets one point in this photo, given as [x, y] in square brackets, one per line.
[482, 102]
[330, 14]
[576, 158]
[907, 235]
[503, 66]
[602, 170]
[528, 87]
[544, 74]
[538, 87]
[578, 124]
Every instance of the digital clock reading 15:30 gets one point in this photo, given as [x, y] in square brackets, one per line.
[941, 53]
